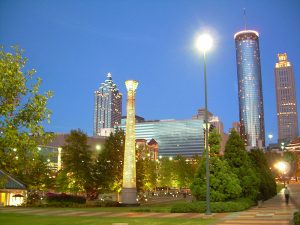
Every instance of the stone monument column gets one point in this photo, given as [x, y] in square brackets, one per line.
[129, 170]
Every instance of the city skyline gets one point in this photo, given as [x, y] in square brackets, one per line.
[72, 45]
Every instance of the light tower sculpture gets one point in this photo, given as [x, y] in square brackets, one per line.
[129, 169]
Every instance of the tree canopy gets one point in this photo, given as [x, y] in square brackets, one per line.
[22, 114]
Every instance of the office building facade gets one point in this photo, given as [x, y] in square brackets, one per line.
[107, 107]
[174, 137]
[286, 103]
[251, 110]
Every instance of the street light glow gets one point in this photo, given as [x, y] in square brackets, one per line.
[204, 42]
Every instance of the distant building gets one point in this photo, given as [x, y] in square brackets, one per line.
[216, 123]
[108, 108]
[250, 93]
[53, 150]
[147, 149]
[174, 137]
[236, 126]
[138, 119]
[294, 146]
[286, 103]
[201, 114]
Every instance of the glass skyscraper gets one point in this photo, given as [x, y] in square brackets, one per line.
[174, 137]
[250, 94]
[108, 107]
[287, 116]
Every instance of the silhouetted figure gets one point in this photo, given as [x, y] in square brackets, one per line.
[286, 195]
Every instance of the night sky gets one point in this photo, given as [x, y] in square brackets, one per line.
[74, 44]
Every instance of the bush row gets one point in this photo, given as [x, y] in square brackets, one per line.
[64, 198]
[216, 207]
[297, 218]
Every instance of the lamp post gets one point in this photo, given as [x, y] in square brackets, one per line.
[283, 168]
[204, 43]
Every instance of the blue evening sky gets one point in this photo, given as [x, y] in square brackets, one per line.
[73, 44]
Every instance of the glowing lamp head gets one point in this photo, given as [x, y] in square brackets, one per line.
[204, 42]
[131, 85]
[283, 166]
[270, 136]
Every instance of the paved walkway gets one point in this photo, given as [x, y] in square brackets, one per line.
[273, 211]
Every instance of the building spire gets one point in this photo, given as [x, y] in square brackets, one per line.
[245, 19]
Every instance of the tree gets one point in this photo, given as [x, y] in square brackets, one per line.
[267, 187]
[224, 184]
[184, 171]
[238, 159]
[166, 173]
[22, 113]
[109, 166]
[77, 162]
[292, 159]
[146, 171]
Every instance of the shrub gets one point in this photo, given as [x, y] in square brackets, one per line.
[216, 207]
[64, 199]
[297, 218]
[101, 203]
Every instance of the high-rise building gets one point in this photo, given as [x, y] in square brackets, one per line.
[108, 107]
[251, 108]
[287, 116]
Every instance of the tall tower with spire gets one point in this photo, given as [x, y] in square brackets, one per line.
[250, 93]
[108, 107]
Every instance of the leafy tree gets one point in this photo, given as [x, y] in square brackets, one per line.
[267, 187]
[77, 162]
[224, 184]
[292, 159]
[166, 173]
[273, 158]
[146, 172]
[22, 113]
[184, 171]
[238, 159]
[109, 166]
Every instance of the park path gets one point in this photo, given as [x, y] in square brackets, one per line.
[273, 211]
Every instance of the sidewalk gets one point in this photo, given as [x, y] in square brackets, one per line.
[273, 211]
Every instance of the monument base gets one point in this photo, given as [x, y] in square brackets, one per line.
[128, 197]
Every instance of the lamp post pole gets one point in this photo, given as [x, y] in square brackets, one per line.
[206, 141]
[204, 43]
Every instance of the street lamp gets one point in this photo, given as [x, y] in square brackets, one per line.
[203, 44]
[283, 168]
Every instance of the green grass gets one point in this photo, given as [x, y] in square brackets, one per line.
[18, 219]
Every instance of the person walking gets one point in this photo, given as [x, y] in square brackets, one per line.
[286, 195]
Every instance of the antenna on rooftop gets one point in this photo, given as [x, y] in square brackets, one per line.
[244, 18]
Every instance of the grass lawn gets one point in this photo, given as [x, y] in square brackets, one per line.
[20, 219]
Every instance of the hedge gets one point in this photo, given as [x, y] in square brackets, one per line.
[216, 207]
[297, 218]
[64, 199]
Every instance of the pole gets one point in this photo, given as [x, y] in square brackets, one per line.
[206, 142]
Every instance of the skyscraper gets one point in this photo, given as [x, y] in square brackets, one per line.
[108, 107]
[251, 108]
[287, 116]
